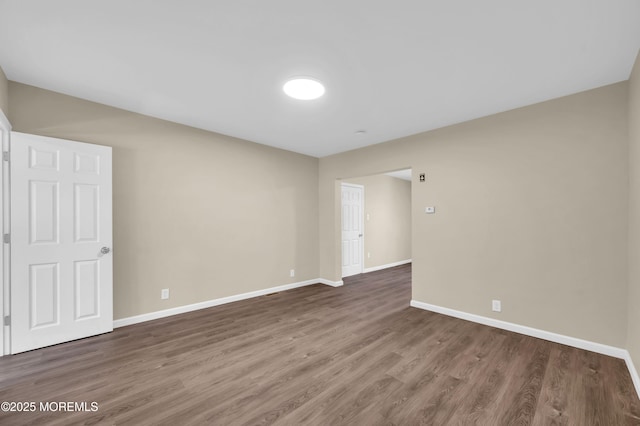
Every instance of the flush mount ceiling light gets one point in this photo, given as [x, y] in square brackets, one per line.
[303, 88]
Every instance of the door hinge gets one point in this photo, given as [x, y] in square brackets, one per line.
[5, 155]
[6, 238]
[7, 320]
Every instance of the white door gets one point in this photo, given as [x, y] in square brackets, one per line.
[352, 233]
[61, 265]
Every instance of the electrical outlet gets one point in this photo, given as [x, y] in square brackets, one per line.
[164, 293]
[292, 273]
[496, 306]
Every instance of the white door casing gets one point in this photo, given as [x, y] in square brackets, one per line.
[352, 229]
[5, 134]
[61, 219]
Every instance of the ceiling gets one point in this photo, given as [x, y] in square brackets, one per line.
[390, 68]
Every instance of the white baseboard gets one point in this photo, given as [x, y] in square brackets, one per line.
[388, 265]
[529, 331]
[215, 302]
[633, 372]
[331, 283]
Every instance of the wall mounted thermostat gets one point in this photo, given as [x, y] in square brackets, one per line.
[430, 210]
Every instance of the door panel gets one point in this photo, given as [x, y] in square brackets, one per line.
[61, 282]
[43, 294]
[87, 287]
[85, 215]
[43, 212]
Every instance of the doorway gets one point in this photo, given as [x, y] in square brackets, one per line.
[386, 221]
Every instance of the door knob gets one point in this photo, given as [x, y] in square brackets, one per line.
[105, 250]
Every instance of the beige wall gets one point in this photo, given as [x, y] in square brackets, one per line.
[387, 231]
[202, 214]
[4, 93]
[531, 209]
[633, 338]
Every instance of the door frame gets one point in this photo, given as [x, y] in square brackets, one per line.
[353, 185]
[5, 330]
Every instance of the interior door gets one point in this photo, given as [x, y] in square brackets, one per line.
[352, 233]
[61, 234]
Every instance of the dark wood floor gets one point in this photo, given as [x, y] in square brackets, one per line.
[318, 355]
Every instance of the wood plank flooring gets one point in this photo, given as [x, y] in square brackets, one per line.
[318, 355]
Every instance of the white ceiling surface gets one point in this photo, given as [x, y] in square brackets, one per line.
[390, 68]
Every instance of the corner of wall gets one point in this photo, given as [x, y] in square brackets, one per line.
[633, 266]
